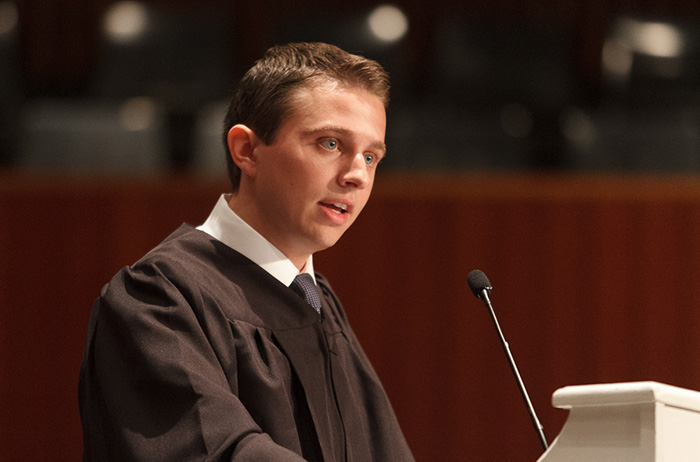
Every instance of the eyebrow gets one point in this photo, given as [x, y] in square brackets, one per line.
[345, 132]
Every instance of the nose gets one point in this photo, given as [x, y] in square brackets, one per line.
[355, 172]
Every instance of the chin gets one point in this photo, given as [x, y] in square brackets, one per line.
[326, 242]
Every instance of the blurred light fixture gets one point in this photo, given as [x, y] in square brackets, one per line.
[658, 39]
[138, 113]
[126, 21]
[9, 17]
[578, 128]
[632, 37]
[617, 58]
[388, 23]
[650, 38]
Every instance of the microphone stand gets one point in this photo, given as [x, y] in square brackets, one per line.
[531, 410]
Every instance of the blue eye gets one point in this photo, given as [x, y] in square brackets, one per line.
[369, 159]
[330, 144]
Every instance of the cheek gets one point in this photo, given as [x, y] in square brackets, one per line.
[287, 176]
[298, 183]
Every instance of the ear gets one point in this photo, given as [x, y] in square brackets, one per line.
[242, 142]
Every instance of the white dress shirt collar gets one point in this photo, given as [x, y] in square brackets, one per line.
[226, 226]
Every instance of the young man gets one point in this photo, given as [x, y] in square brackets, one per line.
[205, 348]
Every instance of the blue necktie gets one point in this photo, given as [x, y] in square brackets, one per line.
[303, 284]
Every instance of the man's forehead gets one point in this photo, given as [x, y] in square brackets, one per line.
[310, 106]
[320, 86]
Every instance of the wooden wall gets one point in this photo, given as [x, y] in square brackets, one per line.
[596, 279]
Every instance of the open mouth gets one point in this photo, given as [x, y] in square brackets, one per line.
[336, 207]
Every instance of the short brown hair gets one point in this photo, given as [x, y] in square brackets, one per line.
[265, 95]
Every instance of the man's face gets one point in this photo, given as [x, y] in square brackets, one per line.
[314, 180]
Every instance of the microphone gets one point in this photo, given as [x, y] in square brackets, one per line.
[481, 288]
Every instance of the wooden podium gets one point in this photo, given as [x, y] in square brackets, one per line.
[627, 422]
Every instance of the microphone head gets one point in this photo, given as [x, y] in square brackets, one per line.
[478, 282]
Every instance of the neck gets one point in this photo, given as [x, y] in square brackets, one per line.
[247, 214]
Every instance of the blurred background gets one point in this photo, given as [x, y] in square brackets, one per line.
[555, 145]
[568, 85]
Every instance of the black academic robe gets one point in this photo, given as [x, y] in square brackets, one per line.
[197, 353]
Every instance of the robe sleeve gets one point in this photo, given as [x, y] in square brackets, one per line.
[152, 387]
